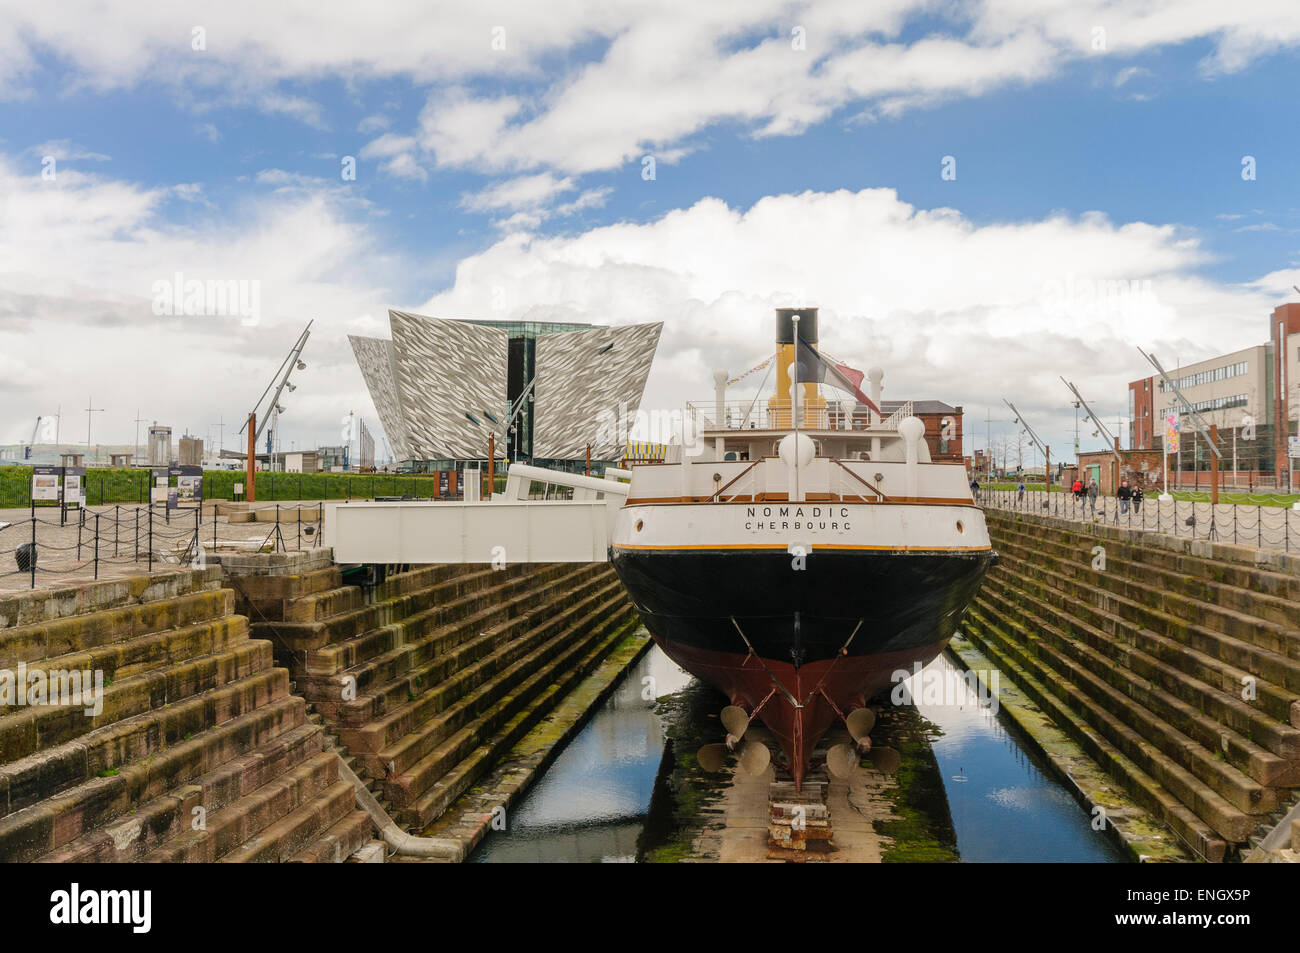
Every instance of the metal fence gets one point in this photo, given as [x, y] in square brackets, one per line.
[1264, 527]
[88, 543]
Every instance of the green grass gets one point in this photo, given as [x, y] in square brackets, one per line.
[107, 485]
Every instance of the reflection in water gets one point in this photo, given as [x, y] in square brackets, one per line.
[1004, 807]
[591, 804]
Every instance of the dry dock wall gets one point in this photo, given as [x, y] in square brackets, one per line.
[1174, 663]
[233, 695]
[198, 752]
[426, 680]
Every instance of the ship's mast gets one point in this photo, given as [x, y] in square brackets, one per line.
[794, 408]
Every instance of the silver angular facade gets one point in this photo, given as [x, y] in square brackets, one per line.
[375, 358]
[585, 379]
[435, 371]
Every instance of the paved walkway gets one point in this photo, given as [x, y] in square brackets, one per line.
[67, 553]
[1262, 527]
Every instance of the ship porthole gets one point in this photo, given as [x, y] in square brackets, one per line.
[960, 528]
[641, 523]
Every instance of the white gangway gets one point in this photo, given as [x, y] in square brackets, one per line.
[512, 528]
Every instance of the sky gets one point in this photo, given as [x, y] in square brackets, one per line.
[982, 197]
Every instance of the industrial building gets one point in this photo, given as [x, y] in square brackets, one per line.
[1252, 395]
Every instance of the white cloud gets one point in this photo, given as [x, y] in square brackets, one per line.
[530, 191]
[664, 69]
[951, 310]
[79, 259]
[65, 150]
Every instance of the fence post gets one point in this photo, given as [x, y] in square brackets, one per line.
[116, 522]
[96, 545]
[80, 523]
[33, 562]
[151, 538]
[137, 534]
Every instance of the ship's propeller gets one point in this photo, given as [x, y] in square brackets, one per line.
[886, 759]
[736, 721]
[860, 722]
[712, 757]
[842, 761]
[754, 757]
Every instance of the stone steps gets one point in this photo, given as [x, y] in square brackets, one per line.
[38, 728]
[155, 821]
[81, 634]
[1278, 671]
[409, 670]
[1239, 567]
[1142, 741]
[1198, 580]
[1141, 786]
[280, 842]
[526, 707]
[49, 605]
[197, 729]
[1175, 728]
[1157, 593]
[237, 824]
[376, 656]
[1207, 685]
[339, 842]
[316, 635]
[1178, 672]
[391, 744]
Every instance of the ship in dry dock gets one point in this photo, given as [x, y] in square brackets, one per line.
[807, 551]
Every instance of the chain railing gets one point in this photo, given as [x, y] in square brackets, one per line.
[39, 546]
[1244, 524]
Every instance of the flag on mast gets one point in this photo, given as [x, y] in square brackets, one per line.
[814, 367]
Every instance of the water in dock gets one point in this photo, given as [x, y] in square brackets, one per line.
[606, 797]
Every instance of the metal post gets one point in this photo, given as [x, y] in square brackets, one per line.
[80, 523]
[96, 545]
[250, 491]
[137, 534]
[151, 539]
[117, 520]
[33, 562]
[1214, 469]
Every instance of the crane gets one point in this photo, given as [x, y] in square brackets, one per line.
[27, 450]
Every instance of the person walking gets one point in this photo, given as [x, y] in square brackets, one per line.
[1092, 496]
[1020, 492]
[1077, 489]
[975, 488]
[1124, 494]
[1137, 499]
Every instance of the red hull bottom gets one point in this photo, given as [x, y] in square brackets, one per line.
[819, 687]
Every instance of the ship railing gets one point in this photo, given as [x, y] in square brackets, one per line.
[848, 482]
[758, 415]
[742, 483]
[893, 420]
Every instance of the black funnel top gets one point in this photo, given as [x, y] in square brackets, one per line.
[785, 327]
